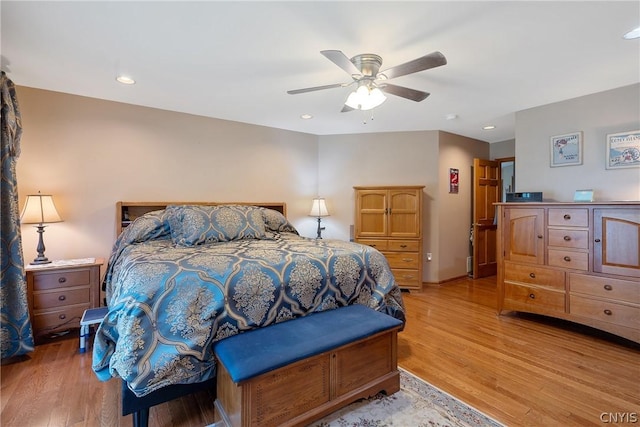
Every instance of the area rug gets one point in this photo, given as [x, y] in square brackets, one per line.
[417, 404]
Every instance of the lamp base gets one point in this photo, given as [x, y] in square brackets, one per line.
[319, 236]
[40, 260]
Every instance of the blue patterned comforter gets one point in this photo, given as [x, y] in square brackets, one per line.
[169, 304]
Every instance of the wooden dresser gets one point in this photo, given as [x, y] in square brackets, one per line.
[579, 262]
[390, 220]
[58, 295]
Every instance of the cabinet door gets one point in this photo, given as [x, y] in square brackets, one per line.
[524, 235]
[371, 209]
[616, 244]
[404, 213]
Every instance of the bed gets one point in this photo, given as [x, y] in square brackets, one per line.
[181, 278]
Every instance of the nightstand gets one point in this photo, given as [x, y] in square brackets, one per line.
[60, 292]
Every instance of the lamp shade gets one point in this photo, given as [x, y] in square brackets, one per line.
[319, 208]
[39, 209]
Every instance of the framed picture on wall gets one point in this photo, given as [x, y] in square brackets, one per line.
[623, 150]
[566, 150]
[454, 180]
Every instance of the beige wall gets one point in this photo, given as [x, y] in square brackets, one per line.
[91, 153]
[596, 115]
[455, 209]
[406, 158]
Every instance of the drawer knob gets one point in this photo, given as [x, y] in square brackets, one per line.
[540, 236]
[608, 287]
[597, 240]
[372, 245]
[62, 298]
[567, 238]
[62, 316]
[608, 312]
[567, 217]
[407, 259]
[532, 296]
[567, 258]
[532, 275]
[62, 279]
[403, 246]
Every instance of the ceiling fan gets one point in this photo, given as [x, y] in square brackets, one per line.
[371, 83]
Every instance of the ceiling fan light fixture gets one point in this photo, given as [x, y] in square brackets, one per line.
[365, 98]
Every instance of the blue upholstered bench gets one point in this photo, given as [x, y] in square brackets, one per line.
[298, 371]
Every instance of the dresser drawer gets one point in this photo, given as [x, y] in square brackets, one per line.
[533, 299]
[534, 275]
[568, 259]
[53, 280]
[407, 278]
[603, 287]
[605, 311]
[409, 260]
[62, 319]
[404, 245]
[45, 300]
[379, 244]
[567, 238]
[574, 217]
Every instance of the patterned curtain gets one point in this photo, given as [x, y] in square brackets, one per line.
[16, 336]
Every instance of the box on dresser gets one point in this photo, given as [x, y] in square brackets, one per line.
[575, 261]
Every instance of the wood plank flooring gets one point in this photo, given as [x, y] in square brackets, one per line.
[522, 370]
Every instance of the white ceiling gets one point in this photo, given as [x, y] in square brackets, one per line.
[236, 60]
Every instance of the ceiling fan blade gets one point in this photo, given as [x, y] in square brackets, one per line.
[404, 92]
[432, 60]
[342, 61]
[312, 89]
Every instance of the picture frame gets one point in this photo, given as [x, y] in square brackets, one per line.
[623, 150]
[454, 180]
[566, 150]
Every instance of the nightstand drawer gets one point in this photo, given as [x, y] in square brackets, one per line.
[46, 300]
[566, 238]
[573, 217]
[569, 259]
[409, 260]
[59, 279]
[404, 245]
[65, 318]
[534, 275]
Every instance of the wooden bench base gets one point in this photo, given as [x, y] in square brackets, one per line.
[312, 388]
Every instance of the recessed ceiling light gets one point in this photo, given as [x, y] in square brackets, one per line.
[633, 34]
[488, 127]
[126, 80]
[306, 116]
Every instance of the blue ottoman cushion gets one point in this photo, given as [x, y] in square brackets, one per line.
[255, 352]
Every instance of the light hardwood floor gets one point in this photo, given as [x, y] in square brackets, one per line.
[522, 370]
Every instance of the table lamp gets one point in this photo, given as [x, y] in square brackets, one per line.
[319, 210]
[40, 209]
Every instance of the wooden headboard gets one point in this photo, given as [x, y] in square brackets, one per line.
[128, 211]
